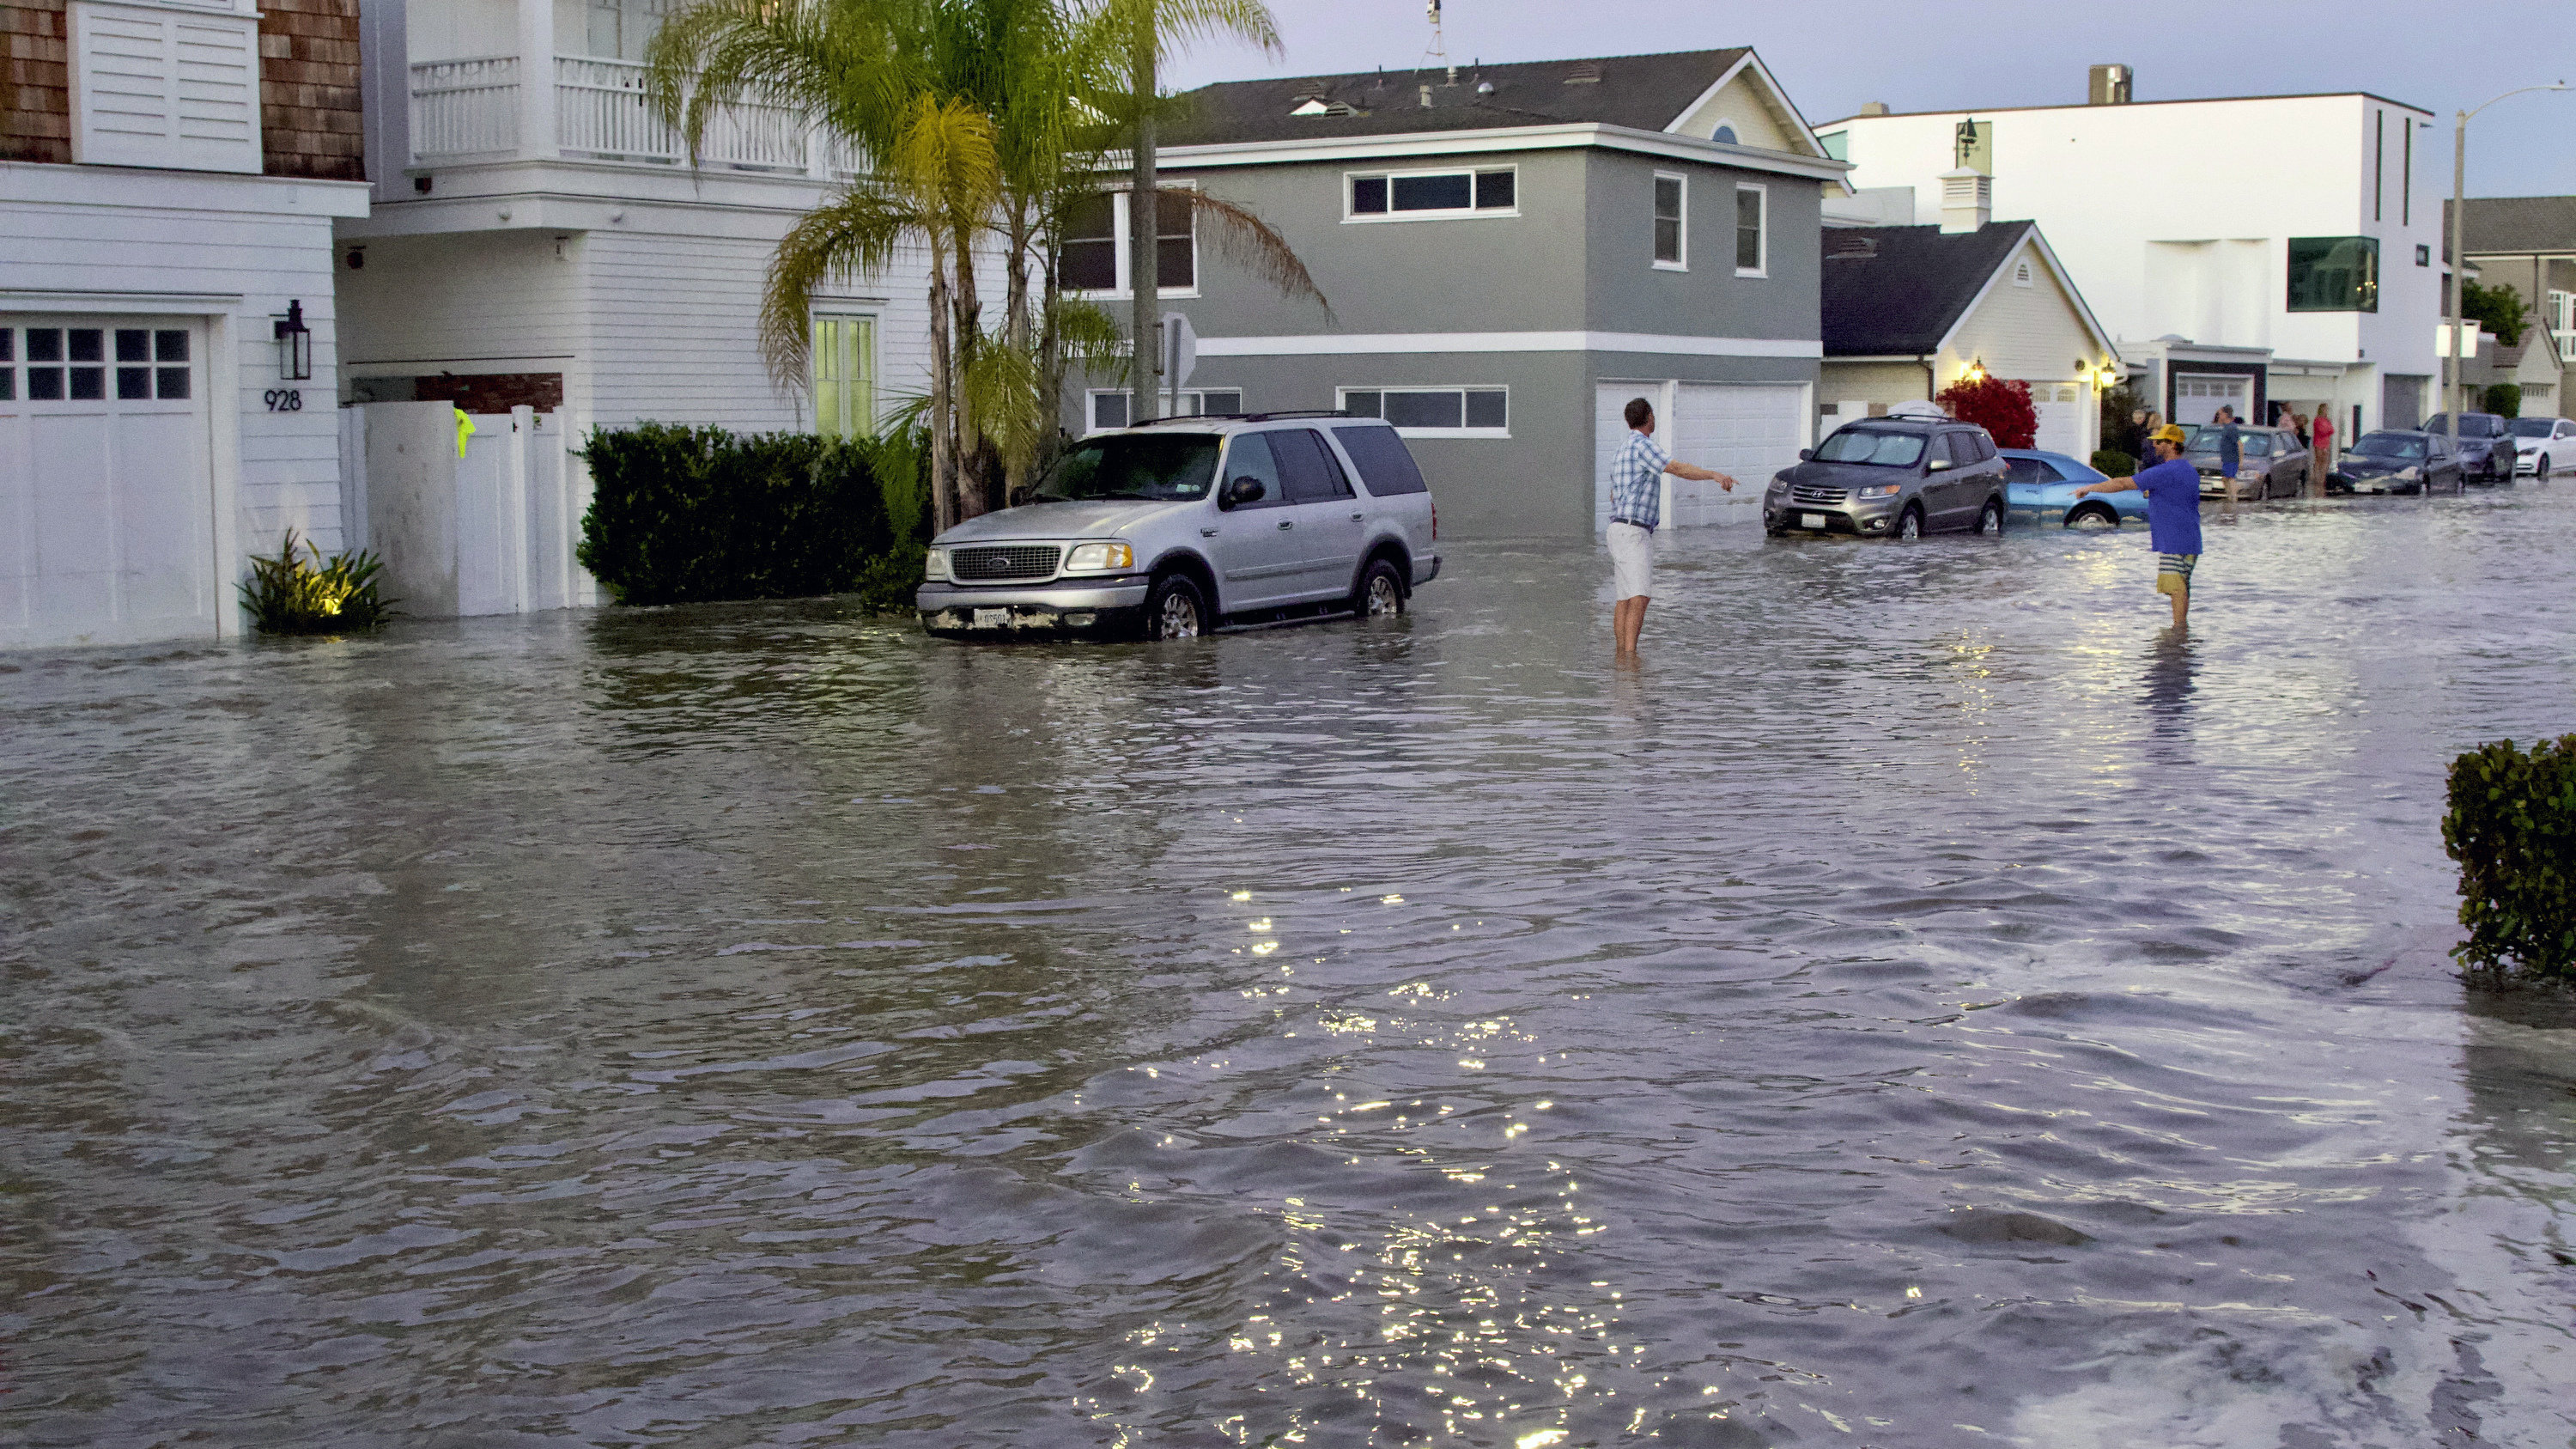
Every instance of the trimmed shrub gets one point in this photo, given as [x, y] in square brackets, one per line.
[2504, 399]
[2112, 463]
[682, 515]
[2512, 828]
[286, 595]
[2000, 407]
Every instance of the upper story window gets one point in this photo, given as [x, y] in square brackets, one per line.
[1422, 195]
[1094, 258]
[2334, 274]
[1672, 241]
[1752, 245]
[2562, 320]
[1434, 412]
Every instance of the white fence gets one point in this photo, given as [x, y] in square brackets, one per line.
[491, 532]
[471, 107]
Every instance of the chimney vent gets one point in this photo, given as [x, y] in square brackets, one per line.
[1967, 200]
[2110, 86]
[1874, 108]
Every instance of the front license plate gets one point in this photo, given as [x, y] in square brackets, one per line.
[1811, 520]
[992, 618]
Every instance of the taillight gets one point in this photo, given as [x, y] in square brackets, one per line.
[1435, 521]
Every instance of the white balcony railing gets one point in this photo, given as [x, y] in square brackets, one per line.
[463, 108]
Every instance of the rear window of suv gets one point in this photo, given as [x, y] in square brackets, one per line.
[1386, 465]
[1879, 447]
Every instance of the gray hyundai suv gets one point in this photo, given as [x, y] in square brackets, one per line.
[1132, 532]
[1892, 477]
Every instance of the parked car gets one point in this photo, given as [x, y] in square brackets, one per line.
[2040, 487]
[2541, 444]
[2390, 461]
[2486, 445]
[1131, 532]
[1891, 477]
[2271, 462]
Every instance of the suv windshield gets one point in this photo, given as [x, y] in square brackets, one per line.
[2390, 445]
[2472, 425]
[1881, 447]
[2531, 427]
[1155, 467]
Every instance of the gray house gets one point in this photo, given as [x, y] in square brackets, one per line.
[1510, 252]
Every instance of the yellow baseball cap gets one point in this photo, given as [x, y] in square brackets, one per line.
[2170, 433]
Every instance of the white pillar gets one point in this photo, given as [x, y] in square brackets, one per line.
[515, 468]
[537, 134]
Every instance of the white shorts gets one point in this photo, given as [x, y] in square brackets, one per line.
[1632, 561]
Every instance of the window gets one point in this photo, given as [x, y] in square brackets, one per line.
[1411, 195]
[1837, 145]
[1308, 467]
[1749, 248]
[2334, 274]
[73, 364]
[1670, 240]
[2031, 470]
[1385, 466]
[2423, 255]
[1250, 456]
[1724, 135]
[2562, 320]
[1435, 412]
[1092, 257]
[845, 376]
[2378, 166]
[1109, 409]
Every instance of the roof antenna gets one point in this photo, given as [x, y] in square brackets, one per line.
[1439, 51]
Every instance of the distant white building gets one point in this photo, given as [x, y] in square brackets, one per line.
[2250, 250]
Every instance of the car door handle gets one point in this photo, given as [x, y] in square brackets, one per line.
[1359, 517]
[1207, 533]
[1287, 523]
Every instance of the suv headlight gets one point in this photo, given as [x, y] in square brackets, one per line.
[934, 564]
[1097, 558]
[1880, 490]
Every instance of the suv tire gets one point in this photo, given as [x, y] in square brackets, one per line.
[1909, 524]
[1990, 519]
[1381, 591]
[1174, 609]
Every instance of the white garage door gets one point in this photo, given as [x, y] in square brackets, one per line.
[106, 487]
[2060, 406]
[2198, 397]
[1747, 430]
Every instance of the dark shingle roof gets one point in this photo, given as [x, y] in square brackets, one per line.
[1900, 289]
[1646, 92]
[2516, 224]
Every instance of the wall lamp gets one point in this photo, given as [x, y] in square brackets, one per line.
[294, 345]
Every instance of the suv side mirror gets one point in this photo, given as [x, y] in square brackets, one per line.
[1806, 455]
[1938, 465]
[1242, 491]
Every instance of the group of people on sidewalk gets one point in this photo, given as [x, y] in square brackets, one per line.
[2170, 483]
[2316, 434]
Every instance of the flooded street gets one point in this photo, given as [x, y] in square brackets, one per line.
[1918, 1007]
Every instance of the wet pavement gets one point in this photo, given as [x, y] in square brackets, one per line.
[1921, 1006]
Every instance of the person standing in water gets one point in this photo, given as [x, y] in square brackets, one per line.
[2172, 487]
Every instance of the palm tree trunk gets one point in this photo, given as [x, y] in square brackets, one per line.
[1050, 373]
[974, 480]
[1144, 226]
[943, 429]
[1015, 324]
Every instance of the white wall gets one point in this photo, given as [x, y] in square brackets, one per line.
[2175, 217]
[243, 246]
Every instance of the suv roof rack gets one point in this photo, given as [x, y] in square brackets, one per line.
[1246, 417]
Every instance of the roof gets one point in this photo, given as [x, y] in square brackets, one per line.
[1641, 92]
[2507, 225]
[1890, 290]
[2134, 105]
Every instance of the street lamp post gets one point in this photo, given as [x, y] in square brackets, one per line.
[2453, 283]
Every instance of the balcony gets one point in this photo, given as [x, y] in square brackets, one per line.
[479, 109]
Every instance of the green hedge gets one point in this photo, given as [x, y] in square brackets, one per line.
[2512, 828]
[680, 515]
[2112, 463]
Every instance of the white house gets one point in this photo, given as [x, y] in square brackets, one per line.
[2298, 234]
[172, 174]
[539, 239]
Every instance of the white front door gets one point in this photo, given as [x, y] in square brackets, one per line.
[106, 481]
[1746, 430]
[2060, 406]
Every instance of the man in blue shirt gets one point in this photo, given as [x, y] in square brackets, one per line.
[2172, 487]
[1636, 508]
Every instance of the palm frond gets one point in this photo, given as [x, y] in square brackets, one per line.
[854, 234]
[1251, 243]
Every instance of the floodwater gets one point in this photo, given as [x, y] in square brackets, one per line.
[1920, 1006]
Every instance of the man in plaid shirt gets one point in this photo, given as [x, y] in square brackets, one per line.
[1636, 509]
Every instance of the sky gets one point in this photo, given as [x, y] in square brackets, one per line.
[1833, 57]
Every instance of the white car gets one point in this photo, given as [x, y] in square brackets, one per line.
[2542, 444]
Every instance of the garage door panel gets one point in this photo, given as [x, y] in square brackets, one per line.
[75, 520]
[1748, 431]
[163, 549]
[17, 532]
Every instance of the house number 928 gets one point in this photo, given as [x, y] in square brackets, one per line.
[284, 400]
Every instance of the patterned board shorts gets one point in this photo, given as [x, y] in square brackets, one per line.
[2173, 572]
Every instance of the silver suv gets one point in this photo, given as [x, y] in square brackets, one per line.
[1131, 532]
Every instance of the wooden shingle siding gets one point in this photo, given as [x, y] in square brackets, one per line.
[36, 110]
[309, 114]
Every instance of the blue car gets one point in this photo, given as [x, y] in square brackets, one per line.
[2040, 488]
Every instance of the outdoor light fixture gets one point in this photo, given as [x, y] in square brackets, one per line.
[294, 345]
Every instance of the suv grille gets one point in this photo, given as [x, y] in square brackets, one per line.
[1816, 493]
[1022, 561]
